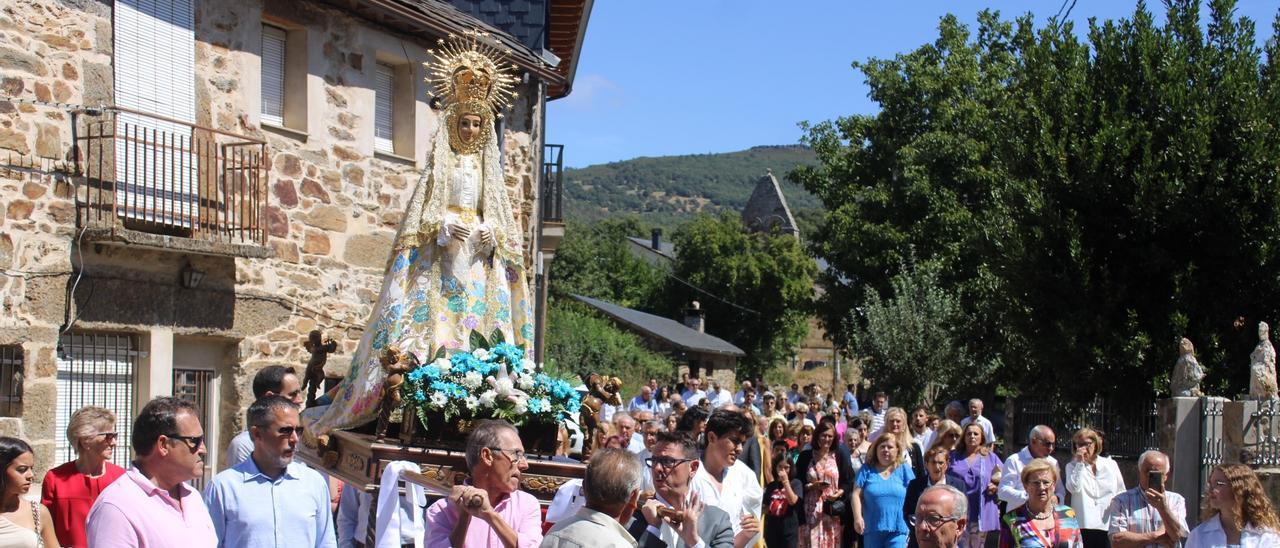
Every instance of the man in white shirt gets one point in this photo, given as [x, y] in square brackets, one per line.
[625, 426]
[1039, 447]
[921, 434]
[879, 404]
[719, 396]
[694, 394]
[742, 393]
[611, 487]
[975, 415]
[724, 482]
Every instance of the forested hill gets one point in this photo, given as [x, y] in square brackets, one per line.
[669, 190]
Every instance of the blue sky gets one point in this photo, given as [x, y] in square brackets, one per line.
[663, 77]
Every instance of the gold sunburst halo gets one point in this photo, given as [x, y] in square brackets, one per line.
[468, 68]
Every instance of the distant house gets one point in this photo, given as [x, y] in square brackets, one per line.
[654, 251]
[694, 350]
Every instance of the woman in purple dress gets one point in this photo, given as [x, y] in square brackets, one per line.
[978, 469]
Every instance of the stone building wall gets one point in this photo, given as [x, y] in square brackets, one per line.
[333, 206]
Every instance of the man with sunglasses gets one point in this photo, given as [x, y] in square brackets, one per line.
[272, 380]
[940, 517]
[151, 505]
[270, 500]
[490, 510]
[675, 517]
[1040, 446]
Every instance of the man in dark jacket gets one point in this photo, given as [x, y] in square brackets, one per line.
[674, 462]
[935, 465]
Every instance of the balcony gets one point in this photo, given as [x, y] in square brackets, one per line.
[152, 181]
[552, 200]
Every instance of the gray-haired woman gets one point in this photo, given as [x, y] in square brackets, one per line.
[70, 489]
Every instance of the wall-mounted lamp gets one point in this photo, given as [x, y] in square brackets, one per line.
[191, 277]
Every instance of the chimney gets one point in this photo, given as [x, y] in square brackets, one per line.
[656, 241]
[695, 318]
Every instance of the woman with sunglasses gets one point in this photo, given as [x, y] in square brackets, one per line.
[1238, 512]
[70, 489]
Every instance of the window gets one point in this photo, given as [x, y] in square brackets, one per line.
[196, 386]
[384, 91]
[273, 74]
[96, 369]
[11, 376]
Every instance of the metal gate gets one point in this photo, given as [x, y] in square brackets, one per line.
[1212, 443]
[97, 369]
[196, 386]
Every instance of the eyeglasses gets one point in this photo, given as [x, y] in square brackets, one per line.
[1219, 484]
[290, 430]
[665, 463]
[193, 442]
[1043, 484]
[109, 436]
[516, 455]
[935, 521]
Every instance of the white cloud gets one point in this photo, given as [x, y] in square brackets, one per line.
[592, 92]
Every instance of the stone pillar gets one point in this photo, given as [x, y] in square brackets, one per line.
[1180, 439]
[1237, 434]
[155, 371]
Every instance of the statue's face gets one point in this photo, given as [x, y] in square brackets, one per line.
[469, 128]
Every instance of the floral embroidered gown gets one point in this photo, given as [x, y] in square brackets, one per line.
[439, 288]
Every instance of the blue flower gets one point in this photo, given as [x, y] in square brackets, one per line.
[457, 303]
[421, 313]
[478, 308]
[380, 339]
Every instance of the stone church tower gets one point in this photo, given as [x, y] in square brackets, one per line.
[767, 208]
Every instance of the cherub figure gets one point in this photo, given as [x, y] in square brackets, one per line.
[313, 378]
[396, 364]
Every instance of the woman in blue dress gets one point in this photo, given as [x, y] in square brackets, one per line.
[880, 490]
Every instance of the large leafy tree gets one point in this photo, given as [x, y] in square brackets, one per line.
[594, 261]
[1088, 200]
[756, 288]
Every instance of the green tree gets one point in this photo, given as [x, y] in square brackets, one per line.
[594, 261]
[915, 333]
[581, 342]
[1087, 201]
[760, 286]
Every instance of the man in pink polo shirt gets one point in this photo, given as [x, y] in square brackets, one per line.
[491, 511]
[151, 506]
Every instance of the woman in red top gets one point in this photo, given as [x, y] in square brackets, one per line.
[69, 490]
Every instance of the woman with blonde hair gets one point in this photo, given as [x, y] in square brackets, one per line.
[1093, 480]
[1038, 523]
[70, 489]
[879, 493]
[1238, 512]
[947, 435]
[975, 466]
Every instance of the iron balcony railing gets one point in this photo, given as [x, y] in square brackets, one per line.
[553, 183]
[155, 174]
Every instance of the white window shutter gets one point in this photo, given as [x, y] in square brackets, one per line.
[384, 101]
[273, 41]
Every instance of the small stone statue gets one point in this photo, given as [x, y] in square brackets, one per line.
[1187, 372]
[1262, 366]
[320, 349]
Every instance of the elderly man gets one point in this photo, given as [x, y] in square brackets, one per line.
[269, 499]
[491, 510]
[940, 517]
[954, 411]
[1148, 516]
[975, 415]
[150, 505]
[272, 380]
[694, 393]
[674, 462]
[722, 480]
[741, 394]
[643, 402]
[1040, 447]
[611, 486]
[625, 426]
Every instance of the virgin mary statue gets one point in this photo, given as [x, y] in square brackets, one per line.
[457, 264]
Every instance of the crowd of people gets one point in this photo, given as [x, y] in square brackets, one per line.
[794, 469]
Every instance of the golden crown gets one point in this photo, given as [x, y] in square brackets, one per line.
[468, 70]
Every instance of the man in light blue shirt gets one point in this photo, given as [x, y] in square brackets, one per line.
[268, 500]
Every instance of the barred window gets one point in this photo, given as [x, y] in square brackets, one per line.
[11, 376]
[97, 369]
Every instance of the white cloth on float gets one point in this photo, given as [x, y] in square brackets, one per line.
[568, 500]
[389, 506]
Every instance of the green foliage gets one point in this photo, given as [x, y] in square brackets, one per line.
[1086, 201]
[768, 274]
[580, 342]
[594, 261]
[915, 333]
[671, 190]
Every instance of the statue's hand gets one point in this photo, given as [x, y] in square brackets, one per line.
[486, 236]
[458, 231]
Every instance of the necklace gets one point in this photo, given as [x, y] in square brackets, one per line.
[1042, 515]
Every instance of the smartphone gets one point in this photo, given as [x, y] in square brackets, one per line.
[1155, 480]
